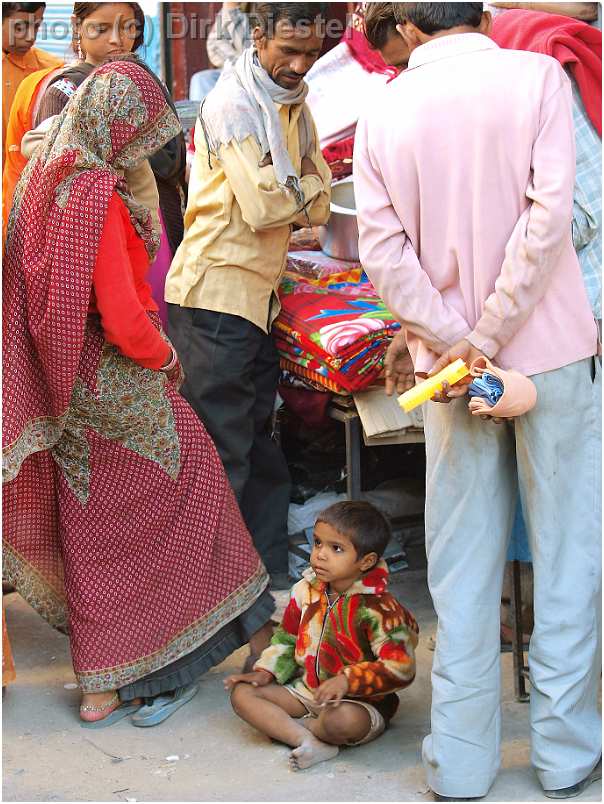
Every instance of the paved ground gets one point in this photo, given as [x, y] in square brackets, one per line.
[203, 753]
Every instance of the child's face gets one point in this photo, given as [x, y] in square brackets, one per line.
[19, 31]
[334, 558]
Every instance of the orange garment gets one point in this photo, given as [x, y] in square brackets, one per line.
[20, 121]
[8, 666]
[14, 69]
[121, 293]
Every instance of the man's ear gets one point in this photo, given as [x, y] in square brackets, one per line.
[259, 37]
[369, 561]
[486, 23]
[410, 34]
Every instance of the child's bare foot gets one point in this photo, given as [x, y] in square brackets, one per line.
[310, 753]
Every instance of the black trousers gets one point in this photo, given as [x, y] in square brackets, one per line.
[232, 372]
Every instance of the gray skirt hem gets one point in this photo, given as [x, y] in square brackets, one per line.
[189, 668]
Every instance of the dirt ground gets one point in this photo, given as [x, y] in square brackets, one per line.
[204, 753]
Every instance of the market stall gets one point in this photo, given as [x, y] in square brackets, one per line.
[333, 329]
[332, 334]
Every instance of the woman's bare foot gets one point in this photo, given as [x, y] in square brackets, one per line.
[310, 752]
[98, 705]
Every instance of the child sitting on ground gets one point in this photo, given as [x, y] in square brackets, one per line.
[344, 645]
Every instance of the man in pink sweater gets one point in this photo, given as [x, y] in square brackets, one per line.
[464, 173]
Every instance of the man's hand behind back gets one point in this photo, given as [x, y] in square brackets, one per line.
[468, 353]
[398, 366]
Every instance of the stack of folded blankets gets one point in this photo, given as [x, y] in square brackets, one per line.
[333, 329]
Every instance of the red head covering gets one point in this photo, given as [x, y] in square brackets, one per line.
[118, 117]
[369, 59]
[572, 42]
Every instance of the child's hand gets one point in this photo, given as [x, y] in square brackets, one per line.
[259, 678]
[334, 689]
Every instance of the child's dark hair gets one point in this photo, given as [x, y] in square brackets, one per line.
[379, 23]
[365, 526]
[23, 8]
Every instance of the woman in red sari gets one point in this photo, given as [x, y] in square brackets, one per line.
[119, 523]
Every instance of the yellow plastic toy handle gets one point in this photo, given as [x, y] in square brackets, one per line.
[426, 389]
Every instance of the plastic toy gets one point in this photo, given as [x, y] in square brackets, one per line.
[426, 389]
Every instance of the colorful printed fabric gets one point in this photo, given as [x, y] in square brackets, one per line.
[353, 375]
[363, 351]
[55, 227]
[318, 265]
[367, 636]
[133, 540]
[334, 325]
[119, 523]
[314, 380]
[107, 131]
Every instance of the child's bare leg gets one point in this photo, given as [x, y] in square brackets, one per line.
[261, 639]
[271, 710]
[340, 725]
[336, 725]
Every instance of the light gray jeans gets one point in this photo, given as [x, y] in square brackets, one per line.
[474, 470]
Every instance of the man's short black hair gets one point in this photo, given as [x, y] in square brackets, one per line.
[366, 527]
[267, 15]
[433, 17]
[380, 23]
[8, 9]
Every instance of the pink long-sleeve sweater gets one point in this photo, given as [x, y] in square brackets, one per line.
[464, 172]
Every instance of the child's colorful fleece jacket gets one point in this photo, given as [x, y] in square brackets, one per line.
[368, 636]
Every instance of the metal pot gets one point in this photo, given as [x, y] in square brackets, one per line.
[339, 238]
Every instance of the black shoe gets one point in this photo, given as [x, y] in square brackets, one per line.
[280, 581]
[577, 789]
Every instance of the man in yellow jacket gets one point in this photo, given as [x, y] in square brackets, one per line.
[258, 169]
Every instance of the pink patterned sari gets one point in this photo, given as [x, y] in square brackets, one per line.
[119, 524]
